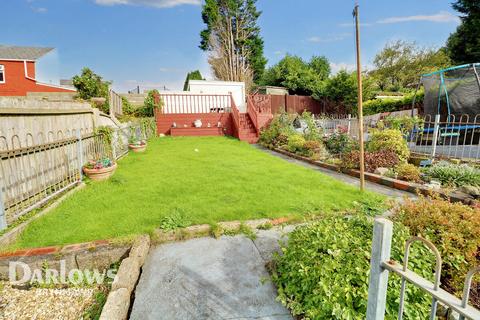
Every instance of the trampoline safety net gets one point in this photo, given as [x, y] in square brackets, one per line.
[453, 91]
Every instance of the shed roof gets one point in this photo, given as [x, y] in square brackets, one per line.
[22, 53]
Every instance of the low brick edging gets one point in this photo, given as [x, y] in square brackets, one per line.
[161, 236]
[98, 255]
[388, 182]
[118, 301]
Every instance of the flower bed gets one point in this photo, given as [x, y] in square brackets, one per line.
[411, 187]
[386, 156]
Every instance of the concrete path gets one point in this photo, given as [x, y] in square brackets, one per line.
[375, 187]
[210, 278]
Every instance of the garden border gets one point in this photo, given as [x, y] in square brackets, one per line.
[11, 235]
[385, 181]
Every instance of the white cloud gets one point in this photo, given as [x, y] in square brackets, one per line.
[278, 53]
[335, 67]
[441, 17]
[350, 67]
[150, 3]
[332, 38]
[39, 10]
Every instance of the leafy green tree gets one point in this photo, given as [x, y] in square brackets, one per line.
[194, 75]
[400, 64]
[464, 44]
[232, 35]
[298, 76]
[90, 85]
[343, 89]
[321, 66]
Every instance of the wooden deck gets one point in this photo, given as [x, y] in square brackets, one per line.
[197, 132]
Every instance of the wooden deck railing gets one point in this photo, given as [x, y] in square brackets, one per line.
[195, 103]
[262, 103]
[235, 116]
[253, 113]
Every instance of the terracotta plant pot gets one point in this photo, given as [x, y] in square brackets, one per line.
[137, 147]
[100, 174]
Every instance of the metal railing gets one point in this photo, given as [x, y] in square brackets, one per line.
[32, 174]
[195, 103]
[381, 265]
[455, 136]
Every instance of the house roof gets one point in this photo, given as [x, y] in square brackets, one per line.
[22, 53]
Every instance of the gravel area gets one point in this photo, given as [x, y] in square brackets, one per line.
[44, 304]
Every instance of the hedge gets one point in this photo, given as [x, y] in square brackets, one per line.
[389, 105]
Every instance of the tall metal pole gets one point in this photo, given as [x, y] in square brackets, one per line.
[360, 101]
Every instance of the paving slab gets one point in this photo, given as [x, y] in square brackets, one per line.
[208, 278]
[268, 242]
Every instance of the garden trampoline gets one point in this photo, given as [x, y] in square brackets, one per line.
[452, 91]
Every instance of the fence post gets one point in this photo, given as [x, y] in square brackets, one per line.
[378, 282]
[111, 104]
[112, 143]
[349, 123]
[3, 217]
[435, 135]
[80, 154]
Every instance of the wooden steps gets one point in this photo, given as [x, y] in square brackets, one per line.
[247, 131]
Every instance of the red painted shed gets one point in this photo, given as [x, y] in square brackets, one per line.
[17, 71]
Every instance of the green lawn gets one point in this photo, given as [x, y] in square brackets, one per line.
[205, 179]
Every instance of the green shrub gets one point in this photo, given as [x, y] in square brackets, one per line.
[372, 160]
[408, 172]
[389, 139]
[403, 123]
[323, 272]
[149, 105]
[312, 148]
[280, 126]
[296, 143]
[127, 108]
[453, 175]
[91, 85]
[338, 143]
[453, 228]
[312, 132]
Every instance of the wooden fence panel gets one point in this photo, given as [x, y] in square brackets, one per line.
[278, 104]
[299, 104]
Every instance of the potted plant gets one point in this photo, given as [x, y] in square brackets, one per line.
[100, 169]
[137, 145]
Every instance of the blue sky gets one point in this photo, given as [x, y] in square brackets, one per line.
[154, 43]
